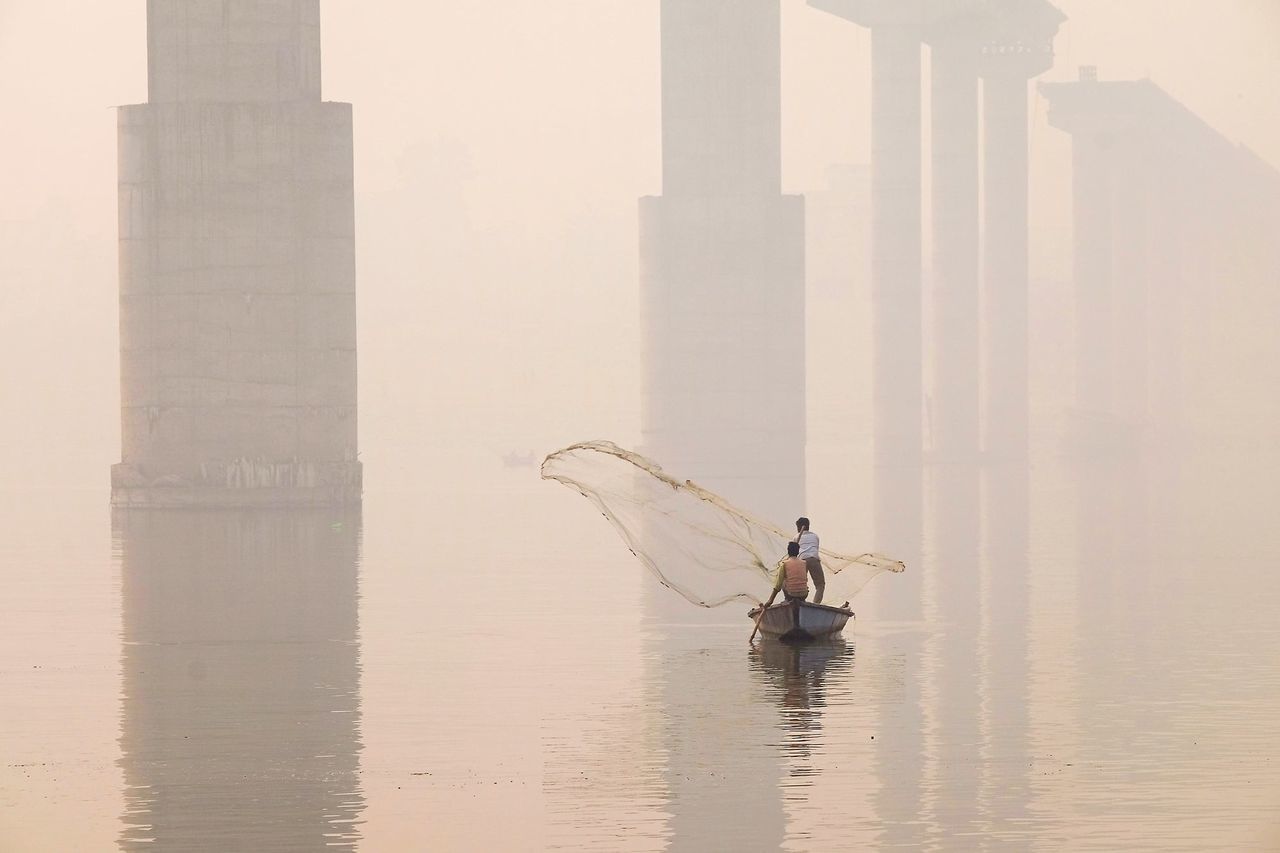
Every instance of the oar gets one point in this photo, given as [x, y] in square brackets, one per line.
[764, 607]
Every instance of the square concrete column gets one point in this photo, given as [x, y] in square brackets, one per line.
[237, 266]
[1006, 273]
[1018, 46]
[722, 265]
[721, 97]
[233, 51]
[897, 29]
[896, 280]
[953, 415]
[1092, 215]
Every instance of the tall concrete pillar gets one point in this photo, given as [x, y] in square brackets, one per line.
[953, 482]
[954, 278]
[722, 301]
[721, 98]
[1006, 274]
[722, 265]
[897, 383]
[237, 265]
[1131, 264]
[1091, 185]
[897, 28]
[1019, 46]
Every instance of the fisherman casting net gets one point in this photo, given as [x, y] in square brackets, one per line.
[693, 540]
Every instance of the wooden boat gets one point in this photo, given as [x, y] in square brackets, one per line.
[801, 621]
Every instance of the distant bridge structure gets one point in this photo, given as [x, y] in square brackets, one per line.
[1173, 224]
[982, 55]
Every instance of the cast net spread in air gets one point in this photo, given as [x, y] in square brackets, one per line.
[693, 540]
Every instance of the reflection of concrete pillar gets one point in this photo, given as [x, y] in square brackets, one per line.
[954, 599]
[954, 484]
[1005, 635]
[240, 696]
[721, 767]
[1020, 47]
[722, 302]
[1006, 415]
[722, 265]
[1113, 608]
[954, 141]
[811, 686]
[900, 789]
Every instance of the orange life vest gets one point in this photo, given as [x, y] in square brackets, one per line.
[796, 578]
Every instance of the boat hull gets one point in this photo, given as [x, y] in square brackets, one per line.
[800, 621]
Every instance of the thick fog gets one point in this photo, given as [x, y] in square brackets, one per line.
[1000, 317]
[500, 152]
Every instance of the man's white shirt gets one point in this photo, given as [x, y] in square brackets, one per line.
[808, 542]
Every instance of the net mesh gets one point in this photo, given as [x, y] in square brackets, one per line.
[694, 541]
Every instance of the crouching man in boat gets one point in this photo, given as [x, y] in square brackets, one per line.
[791, 578]
[808, 542]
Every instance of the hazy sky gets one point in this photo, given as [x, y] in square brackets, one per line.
[500, 149]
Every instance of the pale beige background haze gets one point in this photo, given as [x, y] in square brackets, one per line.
[500, 150]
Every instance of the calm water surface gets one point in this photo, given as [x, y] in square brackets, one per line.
[1090, 662]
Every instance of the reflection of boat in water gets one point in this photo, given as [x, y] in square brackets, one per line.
[801, 621]
[808, 660]
[797, 671]
[799, 677]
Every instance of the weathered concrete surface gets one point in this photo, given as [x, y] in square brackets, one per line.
[722, 265]
[722, 289]
[233, 51]
[237, 266]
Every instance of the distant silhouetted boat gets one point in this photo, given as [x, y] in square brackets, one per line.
[520, 460]
[801, 621]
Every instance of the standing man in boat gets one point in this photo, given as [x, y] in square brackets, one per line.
[808, 542]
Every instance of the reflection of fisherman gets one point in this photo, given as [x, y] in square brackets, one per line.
[808, 542]
[790, 578]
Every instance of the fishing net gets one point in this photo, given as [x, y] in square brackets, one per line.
[695, 542]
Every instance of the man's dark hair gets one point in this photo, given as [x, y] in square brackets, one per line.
[802, 523]
[793, 549]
